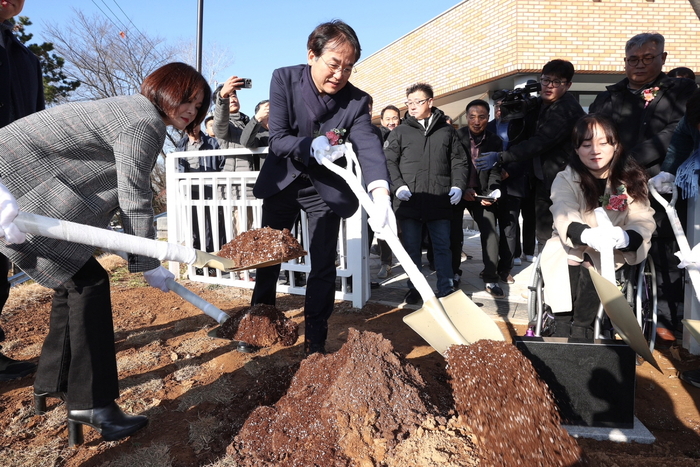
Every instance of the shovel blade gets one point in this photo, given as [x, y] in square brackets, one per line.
[452, 320]
[693, 325]
[622, 317]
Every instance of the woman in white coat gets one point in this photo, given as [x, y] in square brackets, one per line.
[599, 174]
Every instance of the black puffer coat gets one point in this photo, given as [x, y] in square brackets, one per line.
[429, 162]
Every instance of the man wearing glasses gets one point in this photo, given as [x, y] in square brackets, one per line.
[549, 146]
[308, 104]
[426, 163]
[647, 106]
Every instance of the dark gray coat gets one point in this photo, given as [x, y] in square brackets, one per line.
[429, 162]
[81, 162]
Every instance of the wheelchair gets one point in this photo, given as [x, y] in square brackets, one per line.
[636, 282]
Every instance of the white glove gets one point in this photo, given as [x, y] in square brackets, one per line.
[620, 237]
[321, 149]
[403, 193]
[158, 278]
[597, 238]
[455, 195]
[8, 211]
[495, 193]
[383, 215]
[663, 182]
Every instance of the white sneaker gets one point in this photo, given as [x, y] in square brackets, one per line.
[384, 271]
[529, 258]
[517, 262]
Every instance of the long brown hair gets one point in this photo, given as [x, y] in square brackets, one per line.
[174, 84]
[624, 170]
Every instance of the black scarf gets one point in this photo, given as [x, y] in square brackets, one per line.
[318, 105]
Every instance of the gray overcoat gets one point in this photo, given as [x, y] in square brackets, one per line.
[81, 162]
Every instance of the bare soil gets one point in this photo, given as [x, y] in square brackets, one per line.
[202, 396]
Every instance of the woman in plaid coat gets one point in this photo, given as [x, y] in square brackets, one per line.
[82, 162]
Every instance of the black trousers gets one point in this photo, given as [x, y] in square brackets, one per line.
[78, 355]
[281, 211]
[543, 216]
[508, 210]
[4, 287]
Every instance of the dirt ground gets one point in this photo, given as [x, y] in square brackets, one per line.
[198, 391]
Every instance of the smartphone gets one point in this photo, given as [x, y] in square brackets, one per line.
[247, 83]
[486, 198]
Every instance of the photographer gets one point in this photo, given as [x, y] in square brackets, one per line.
[549, 145]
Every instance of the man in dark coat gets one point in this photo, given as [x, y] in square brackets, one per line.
[21, 94]
[426, 163]
[549, 146]
[476, 139]
[646, 106]
[307, 103]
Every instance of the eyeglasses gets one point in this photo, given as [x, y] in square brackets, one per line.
[555, 83]
[416, 103]
[335, 69]
[646, 60]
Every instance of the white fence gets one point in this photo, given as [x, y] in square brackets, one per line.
[232, 205]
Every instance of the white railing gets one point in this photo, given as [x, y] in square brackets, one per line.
[232, 193]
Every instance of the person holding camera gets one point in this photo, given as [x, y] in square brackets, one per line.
[549, 146]
[229, 123]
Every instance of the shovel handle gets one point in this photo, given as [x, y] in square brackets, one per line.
[208, 309]
[417, 278]
[102, 238]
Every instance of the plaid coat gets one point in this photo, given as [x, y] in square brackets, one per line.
[81, 162]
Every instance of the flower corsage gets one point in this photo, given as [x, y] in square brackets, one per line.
[335, 136]
[649, 94]
[616, 202]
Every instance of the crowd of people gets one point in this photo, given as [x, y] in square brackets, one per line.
[552, 166]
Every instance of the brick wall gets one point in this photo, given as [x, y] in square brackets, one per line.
[482, 40]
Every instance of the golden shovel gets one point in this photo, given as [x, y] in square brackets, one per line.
[451, 320]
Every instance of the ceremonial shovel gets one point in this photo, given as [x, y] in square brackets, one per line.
[615, 303]
[451, 320]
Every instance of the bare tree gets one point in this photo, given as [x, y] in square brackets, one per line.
[215, 59]
[108, 62]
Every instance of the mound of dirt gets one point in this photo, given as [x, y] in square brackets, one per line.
[349, 408]
[500, 398]
[260, 325]
[262, 245]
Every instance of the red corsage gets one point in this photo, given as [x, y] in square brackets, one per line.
[616, 202]
[335, 136]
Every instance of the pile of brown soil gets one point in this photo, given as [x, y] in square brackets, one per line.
[261, 246]
[501, 399]
[260, 325]
[352, 407]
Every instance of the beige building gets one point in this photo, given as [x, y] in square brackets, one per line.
[479, 46]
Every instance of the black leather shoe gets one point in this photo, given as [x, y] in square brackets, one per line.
[109, 421]
[40, 400]
[412, 297]
[13, 369]
[310, 348]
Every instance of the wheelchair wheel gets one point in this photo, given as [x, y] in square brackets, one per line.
[646, 300]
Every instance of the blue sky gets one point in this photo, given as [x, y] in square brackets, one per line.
[261, 35]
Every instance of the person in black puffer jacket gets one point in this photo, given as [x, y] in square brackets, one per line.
[426, 164]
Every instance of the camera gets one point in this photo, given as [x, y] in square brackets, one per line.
[247, 83]
[517, 103]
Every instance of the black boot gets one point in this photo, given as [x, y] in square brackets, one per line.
[40, 400]
[109, 421]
